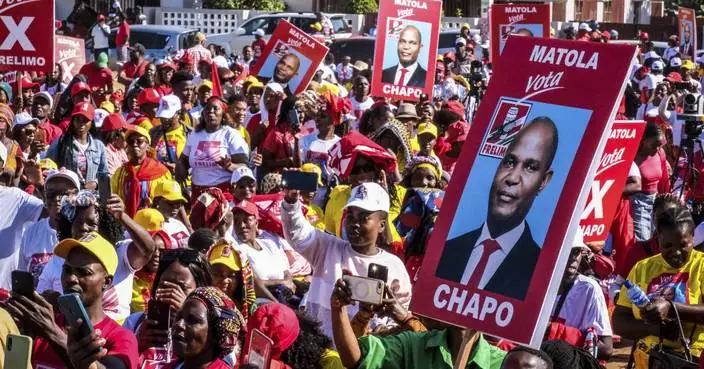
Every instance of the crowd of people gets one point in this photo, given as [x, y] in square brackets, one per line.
[157, 194]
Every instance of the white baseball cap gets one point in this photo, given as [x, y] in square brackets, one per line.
[651, 55]
[369, 196]
[585, 27]
[168, 106]
[579, 240]
[22, 119]
[259, 32]
[658, 66]
[460, 41]
[100, 115]
[477, 39]
[675, 62]
[64, 173]
[45, 95]
[241, 172]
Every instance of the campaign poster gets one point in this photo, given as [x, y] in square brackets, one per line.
[531, 20]
[70, 52]
[406, 48]
[511, 211]
[290, 58]
[687, 25]
[27, 35]
[610, 179]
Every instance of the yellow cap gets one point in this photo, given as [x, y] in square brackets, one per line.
[312, 168]
[95, 244]
[170, 190]
[223, 253]
[107, 106]
[688, 64]
[150, 219]
[46, 164]
[429, 128]
[207, 84]
[140, 131]
[255, 84]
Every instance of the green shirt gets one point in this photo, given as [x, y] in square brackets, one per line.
[422, 350]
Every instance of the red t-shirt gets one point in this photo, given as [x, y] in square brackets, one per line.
[216, 364]
[651, 172]
[123, 34]
[258, 47]
[279, 142]
[134, 71]
[51, 132]
[96, 77]
[119, 342]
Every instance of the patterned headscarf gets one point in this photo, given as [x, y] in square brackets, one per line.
[399, 130]
[270, 182]
[308, 99]
[6, 114]
[429, 162]
[82, 199]
[8, 90]
[224, 319]
[210, 209]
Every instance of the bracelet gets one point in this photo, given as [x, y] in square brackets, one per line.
[410, 317]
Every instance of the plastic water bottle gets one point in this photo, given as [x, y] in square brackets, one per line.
[636, 295]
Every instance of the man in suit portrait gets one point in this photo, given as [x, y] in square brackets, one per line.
[407, 72]
[687, 46]
[286, 68]
[501, 254]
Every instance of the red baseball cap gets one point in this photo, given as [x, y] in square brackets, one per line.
[101, 17]
[114, 122]
[674, 77]
[449, 55]
[84, 109]
[455, 107]
[27, 82]
[148, 95]
[457, 132]
[247, 207]
[80, 87]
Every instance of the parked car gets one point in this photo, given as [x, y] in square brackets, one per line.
[233, 42]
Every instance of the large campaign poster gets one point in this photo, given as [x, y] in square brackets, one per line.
[687, 25]
[511, 211]
[610, 179]
[531, 20]
[406, 48]
[290, 58]
[27, 35]
[70, 52]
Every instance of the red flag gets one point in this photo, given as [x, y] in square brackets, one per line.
[217, 87]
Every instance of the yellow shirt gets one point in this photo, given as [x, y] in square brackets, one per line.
[141, 288]
[315, 216]
[118, 188]
[176, 139]
[684, 285]
[331, 360]
[243, 132]
[148, 124]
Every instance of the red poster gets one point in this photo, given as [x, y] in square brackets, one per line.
[610, 178]
[511, 211]
[406, 48]
[70, 52]
[27, 35]
[290, 58]
[517, 19]
[687, 25]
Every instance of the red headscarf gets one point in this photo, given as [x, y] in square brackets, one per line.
[334, 106]
[343, 155]
[278, 322]
[210, 209]
[136, 183]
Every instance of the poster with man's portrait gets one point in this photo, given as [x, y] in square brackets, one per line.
[406, 48]
[512, 208]
[290, 58]
[687, 26]
[530, 20]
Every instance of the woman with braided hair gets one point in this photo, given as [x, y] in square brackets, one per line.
[565, 356]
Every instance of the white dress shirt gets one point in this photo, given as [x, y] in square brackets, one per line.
[409, 72]
[507, 241]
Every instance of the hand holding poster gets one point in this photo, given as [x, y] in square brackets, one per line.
[406, 47]
[27, 35]
[290, 58]
[70, 52]
[687, 24]
[501, 241]
[531, 20]
[610, 179]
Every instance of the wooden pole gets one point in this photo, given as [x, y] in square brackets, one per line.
[470, 338]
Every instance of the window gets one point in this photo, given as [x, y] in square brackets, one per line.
[447, 40]
[187, 40]
[256, 23]
[360, 49]
[578, 9]
[304, 24]
[149, 40]
[339, 25]
[607, 11]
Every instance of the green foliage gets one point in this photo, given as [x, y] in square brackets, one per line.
[458, 13]
[361, 6]
[219, 4]
[264, 5]
[672, 5]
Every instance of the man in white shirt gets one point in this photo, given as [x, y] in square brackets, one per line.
[100, 33]
[344, 70]
[407, 72]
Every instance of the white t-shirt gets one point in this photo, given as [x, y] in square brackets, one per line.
[650, 81]
[19, 208]
[177, 232]
[358, 108]
[53, 90]
[315, 150]
[585, 307]
[37, 247]
[205, 149]
[100, 41]
[270, 262]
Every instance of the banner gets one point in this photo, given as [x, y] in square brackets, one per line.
[610, 179]
[27, 35]
[70, 52]
[531, 20]
[511, 211]
[687, 25]
[290, 58]
[406, 48]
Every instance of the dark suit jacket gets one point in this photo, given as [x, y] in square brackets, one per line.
[417, 78]
[514, 273]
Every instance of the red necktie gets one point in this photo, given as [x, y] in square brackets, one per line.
[403, 76]
[490, 247]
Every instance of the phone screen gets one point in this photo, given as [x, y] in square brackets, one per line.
[259, 353]
[380, 272]
[302, 181]
[161, 313]
[23, 283]
[104, 189]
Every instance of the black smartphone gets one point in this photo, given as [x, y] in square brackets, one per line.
[23, 283]
[377, 271]
[161, 313]
[104, 189]
[293, 119]
[294, 180]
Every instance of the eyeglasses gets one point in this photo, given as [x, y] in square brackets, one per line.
[185, 256]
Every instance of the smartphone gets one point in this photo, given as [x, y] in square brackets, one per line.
[23, 283]
[259, 355]
[40, 135]
[160, 312]
[294, 180]
[18, 352]
[104, 189]
[377, 271]
[367, 290]
[72, 308]
[293, 119]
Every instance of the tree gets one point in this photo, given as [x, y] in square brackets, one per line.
[672, 5]
[361, 6]
[220, 4]
[264, 5]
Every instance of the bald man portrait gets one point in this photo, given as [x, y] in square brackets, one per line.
[407, 72]
[499, 256]
[286, 68]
